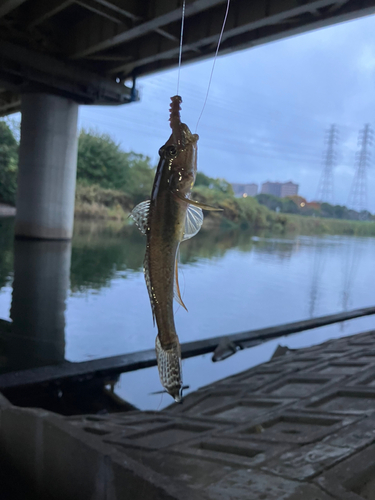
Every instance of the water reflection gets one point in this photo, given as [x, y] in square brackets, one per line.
[319, 260]
[6, 251]
[351, 261]
[235, 281]
[40, 286]
[102, 251]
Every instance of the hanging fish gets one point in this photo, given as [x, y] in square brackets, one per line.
[169, 218]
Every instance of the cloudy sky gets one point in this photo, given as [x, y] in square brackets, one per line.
[268, 109]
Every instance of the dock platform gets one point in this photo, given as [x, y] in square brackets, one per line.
[301, 426]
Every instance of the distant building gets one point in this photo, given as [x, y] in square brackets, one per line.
[289, 189]
[280, 189]
[273, 188]
[243, 190]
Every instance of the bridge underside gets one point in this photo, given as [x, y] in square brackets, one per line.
[87, 50]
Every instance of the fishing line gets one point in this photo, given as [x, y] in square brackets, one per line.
[213, 66]
[180, 53]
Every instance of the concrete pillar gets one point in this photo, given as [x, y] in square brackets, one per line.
[40, 286]
[47, 167]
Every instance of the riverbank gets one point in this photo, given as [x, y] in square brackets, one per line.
[94, 202]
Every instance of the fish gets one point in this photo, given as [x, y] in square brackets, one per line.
[167, 219]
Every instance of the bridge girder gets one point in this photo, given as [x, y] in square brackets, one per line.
[88, 49]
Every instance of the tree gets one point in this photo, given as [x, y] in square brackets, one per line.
[8, 164]
[218, 184]
[102, 162]
[140, 178]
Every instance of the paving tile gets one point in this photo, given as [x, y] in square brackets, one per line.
[307, 461]
[292, 427]
[301, 426]
[252, 485]
[290, 363]
[339, 367]
[251, 381]
[201, 401]
[247, 409]
[225, 450]
[365, 378]
[356, 436]
[352, 479]
[342, 399]
[299, 385]
[367, 338]
[193, 471]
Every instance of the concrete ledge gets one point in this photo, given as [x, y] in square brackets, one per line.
[62, 462]
[4, 403]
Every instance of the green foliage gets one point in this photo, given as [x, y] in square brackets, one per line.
[245, 212]
[8, 164]
[216, 184]
[314, 209]
[284, 205]
[102, 162]
[342, 212]
[140, 177]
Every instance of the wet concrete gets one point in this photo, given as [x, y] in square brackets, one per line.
[299, 426]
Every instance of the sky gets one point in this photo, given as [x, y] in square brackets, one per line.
[268, 109]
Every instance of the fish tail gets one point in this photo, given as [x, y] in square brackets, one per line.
[169, 366]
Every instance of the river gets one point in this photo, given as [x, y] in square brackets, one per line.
[87, 299]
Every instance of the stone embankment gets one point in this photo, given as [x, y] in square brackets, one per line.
[299, 426]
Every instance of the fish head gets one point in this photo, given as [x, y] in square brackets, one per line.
[182, 160]
[180, 151]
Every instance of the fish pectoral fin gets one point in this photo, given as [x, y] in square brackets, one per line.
[140, 215]
[198, 204]
[176, 287]
[193, 222]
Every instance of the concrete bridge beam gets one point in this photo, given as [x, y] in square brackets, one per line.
[47, 167]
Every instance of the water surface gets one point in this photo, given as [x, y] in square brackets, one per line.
[87, 299]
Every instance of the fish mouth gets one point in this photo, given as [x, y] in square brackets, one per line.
[188, 137]
[176, 394]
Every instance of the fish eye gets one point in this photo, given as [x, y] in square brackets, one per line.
[171, 151]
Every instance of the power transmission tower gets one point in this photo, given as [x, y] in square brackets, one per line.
[358, 193]
[325, 187]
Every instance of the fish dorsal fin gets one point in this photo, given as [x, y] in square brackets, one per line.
[193, 222]
[176, 286]
[140, 215]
